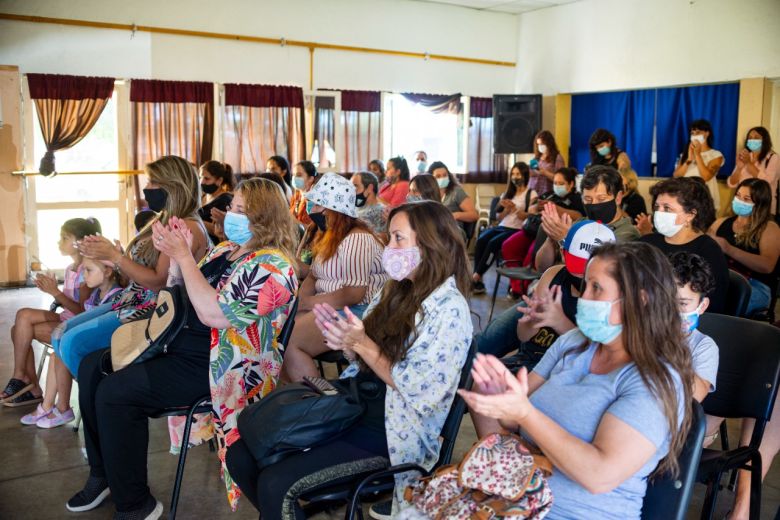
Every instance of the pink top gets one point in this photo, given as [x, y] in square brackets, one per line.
[538, 182]
[768, 170]
[73, 280]
[395, 194]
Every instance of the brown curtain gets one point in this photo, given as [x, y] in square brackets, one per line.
[484, 165]
[261, 121]
[360, 118]
[68, 107]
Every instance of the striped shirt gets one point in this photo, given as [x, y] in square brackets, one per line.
[356, 263]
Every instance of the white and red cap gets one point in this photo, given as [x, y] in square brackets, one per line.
[583, 237]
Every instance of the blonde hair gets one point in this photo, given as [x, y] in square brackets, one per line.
[269, 216]
[630, 179]
[179, 179]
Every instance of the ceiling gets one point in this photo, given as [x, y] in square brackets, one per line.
[503, 6]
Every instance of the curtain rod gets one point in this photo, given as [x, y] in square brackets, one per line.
[254, 39]
[23, 173]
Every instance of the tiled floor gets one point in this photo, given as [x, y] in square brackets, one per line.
[41, 469]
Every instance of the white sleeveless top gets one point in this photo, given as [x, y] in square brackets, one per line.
[712, 184]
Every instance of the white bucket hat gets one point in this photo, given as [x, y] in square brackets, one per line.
[334, 192]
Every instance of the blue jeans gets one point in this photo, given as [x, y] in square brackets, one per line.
[759, 296]
[357, 310]
[500, 336]
[85, 333]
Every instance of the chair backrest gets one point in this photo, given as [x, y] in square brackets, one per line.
[738, 295]
[494, 209]
[286, 332]
[468, 230]
[449, 431]
[485, 193]
[668, 498]
[748, 370]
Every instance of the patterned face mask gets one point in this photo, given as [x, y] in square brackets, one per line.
[400, 262]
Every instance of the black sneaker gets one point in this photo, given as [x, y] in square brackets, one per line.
[94, 492]
[381, 510]
[151, 510]
[478, 288]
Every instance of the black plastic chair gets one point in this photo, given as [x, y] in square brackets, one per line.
[667, 498]
[203, 405]
[513, 273]
[738, 295]
[372, 482]
[331, 356]
[748, 375]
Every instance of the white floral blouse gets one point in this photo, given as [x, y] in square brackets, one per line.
[426, 380]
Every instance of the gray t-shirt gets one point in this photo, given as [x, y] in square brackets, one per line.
[577, 400]
[705, 356]
[454, 198]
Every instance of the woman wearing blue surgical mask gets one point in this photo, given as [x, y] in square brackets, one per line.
[757, 160]
[304, 177]
[750, 239]
[604, 151]
[609, 404]
[700, 159]
[682, 214]
[453, 195]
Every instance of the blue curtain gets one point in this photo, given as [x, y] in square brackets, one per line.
[628, 115]
[678, 107]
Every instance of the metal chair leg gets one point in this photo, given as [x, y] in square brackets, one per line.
[755, 487]
[710, 499]
[77, 422]
[185, 445]
[495, 293]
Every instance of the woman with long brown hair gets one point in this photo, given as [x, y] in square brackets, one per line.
[609, 403]
[412, 345]
[346, 269]
[547, 160]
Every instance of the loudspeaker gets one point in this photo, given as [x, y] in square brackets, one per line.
[516, 121]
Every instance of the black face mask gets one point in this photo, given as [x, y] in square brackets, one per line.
[209, 189]
[319, 219]
[603, 212]
[156, 198]
[360, 200]
[518, 183]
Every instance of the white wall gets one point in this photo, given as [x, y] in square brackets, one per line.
[390, 24]
[597, 45]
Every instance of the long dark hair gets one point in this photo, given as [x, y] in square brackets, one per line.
[602, 135]
[284, 165]
[426, 184]
[761, 196]
[699, 124]
[222, 171]
[399, 163]
[392, 323]
[652, 332]
[766, 141]
[453, 180]
[525, 172]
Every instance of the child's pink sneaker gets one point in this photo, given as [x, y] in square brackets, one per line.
[55, 418]
[34, 417]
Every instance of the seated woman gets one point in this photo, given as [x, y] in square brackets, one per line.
[420, 319]
[241, 292]
[423, 187]
[682, 213]
[633, 204]
[604, 151]
[346, 270]
[216, 183]
[172, 191]
[397, 175]
[610, 402]
[699, 159]
[280, 166]
[377, 167]
[757, 160]
[303, 179]
[750, 239]
[513, 207]
[454, 197]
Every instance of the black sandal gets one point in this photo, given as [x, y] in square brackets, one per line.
[26, 398]
[15, 388]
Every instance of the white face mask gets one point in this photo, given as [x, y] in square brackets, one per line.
[542, 148]
[699, 138]
[665, 223]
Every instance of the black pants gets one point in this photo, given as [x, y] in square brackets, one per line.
[268, 488]
[488, 245]
[116, 408]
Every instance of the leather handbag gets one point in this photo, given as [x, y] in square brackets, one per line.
[295, 418]
[141, 340]
[498, 478]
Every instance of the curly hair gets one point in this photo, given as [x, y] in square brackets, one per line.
[690, 268]
[693, 196]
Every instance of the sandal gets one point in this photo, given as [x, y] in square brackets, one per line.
[15, 388]
[25, 398]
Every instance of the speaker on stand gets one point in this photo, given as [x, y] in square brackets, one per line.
[516, 121]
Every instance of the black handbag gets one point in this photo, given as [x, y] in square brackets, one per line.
[295, 418]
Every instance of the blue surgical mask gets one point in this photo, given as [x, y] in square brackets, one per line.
[443, 182]
[237, 228]
[413, 198]
[422, 166]
[593, 320]
[560, 190]
[604, 151]
[299, 183]
[690, 320]
[741, 208]
[754, 145]
[309, 207]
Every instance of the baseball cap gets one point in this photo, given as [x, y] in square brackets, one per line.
[583, 237]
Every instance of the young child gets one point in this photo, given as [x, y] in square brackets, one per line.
[694, 280]
[103, 281]
[23, 387]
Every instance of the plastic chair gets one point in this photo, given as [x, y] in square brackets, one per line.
[373, 482]
[748, 375]
[513, 273]
[738, 295]
[668, 498]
